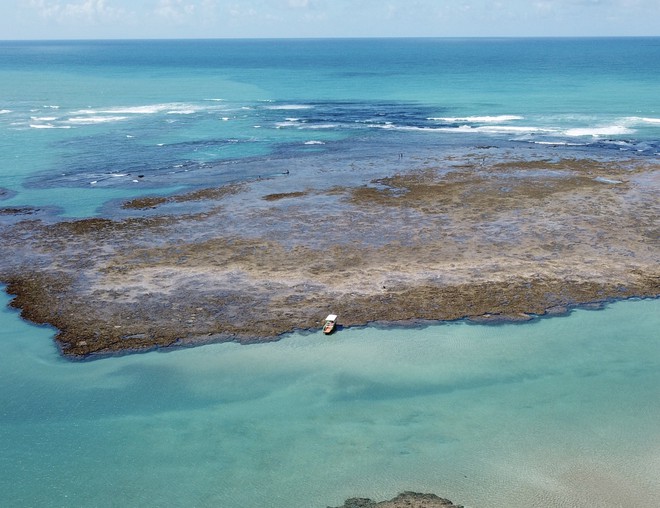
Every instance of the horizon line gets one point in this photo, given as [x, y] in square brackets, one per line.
[319, 38]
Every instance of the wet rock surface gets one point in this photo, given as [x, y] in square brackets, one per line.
[449, 239]
[404, 500]
[25, 210]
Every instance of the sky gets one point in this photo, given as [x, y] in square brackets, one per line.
[176, 19]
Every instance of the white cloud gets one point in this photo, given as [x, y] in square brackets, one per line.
[175, 10]
[325, 18]
[545, 6]
[91, 11]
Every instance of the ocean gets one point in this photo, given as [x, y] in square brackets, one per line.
[80, 120]
[559, 412]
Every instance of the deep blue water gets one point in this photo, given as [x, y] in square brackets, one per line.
[562, 412]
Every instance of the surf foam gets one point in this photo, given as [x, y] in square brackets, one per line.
[610, 130]
[477, 119]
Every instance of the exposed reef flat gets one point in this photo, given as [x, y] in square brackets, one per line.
[447, 238]
[404, 500]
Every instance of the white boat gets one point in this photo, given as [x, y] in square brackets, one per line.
[330, 324]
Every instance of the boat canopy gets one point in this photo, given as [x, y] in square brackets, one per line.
[331, 317]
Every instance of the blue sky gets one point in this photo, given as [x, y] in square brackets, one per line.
[120, 19]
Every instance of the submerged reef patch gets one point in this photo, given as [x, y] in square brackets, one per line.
[6, 193]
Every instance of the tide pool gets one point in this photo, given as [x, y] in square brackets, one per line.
[561, 412]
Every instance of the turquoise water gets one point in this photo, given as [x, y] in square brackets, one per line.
[89, 115]
[562, 412]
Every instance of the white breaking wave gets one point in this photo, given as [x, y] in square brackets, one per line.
[611, 130]
[639, 119]
[557, 143]
[319, 126]
[48, 126]
[92, 120]
[508, 129]
[289, 107]
[312, 142]
[282, 125]
[4, 111]
[491, 129]
[149, 109]
[477, 119]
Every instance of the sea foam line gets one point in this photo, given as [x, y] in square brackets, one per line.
[149, 109]
[92, 120]
[641, 119]
[508, 129]
[476, 119]
[289, 107]
[610, 130]
[48, 126]
[287, 123]
[557, 143]
[491, 129]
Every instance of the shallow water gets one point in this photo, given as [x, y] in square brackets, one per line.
[560, 412]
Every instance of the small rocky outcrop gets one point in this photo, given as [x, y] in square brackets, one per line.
[403, 500]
